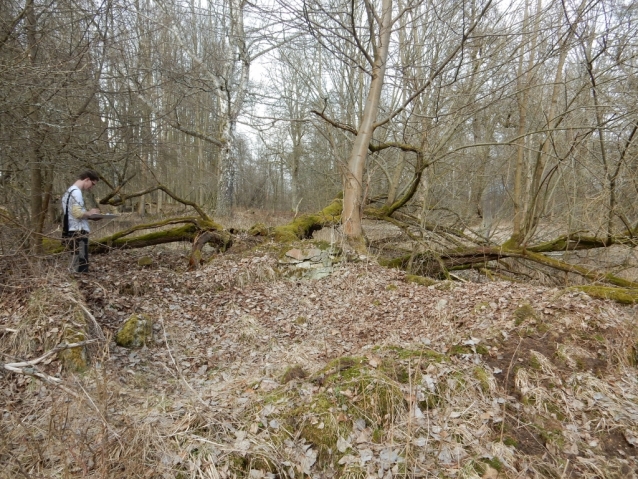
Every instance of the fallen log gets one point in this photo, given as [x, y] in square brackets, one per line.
[191, 229]
[303, 226]
[439, 264]
[620, 295]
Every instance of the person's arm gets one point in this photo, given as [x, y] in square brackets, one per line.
[78, 211]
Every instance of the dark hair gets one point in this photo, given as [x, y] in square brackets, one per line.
[92, 175]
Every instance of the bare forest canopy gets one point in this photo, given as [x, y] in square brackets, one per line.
[494, 136]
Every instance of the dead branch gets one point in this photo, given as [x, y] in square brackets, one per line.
[28, 367]
[117, 199]
[334, 123]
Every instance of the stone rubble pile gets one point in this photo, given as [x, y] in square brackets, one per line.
[310, 263]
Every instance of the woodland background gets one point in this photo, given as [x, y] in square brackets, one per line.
[294, 150]
[473, 116]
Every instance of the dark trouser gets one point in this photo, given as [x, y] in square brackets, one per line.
[80, 251]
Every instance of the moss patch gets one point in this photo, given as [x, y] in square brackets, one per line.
[145, 261]
[74, 359]
[620, 295]
[294, 372]
[259, 229]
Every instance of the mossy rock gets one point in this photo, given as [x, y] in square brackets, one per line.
[145, 261]
[136, 332]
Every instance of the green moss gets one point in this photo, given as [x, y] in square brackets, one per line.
[620, 295]
[395, 263]
[237, 463]
[543, 328]
[303, 226]
[209, 225]
[293, 372]
[396, 371]
[553, 436]
[523, 313]
[322, 245]
[477, 467]
[483, 377]
[445, 285]
[136, 332]
[145, 261]
[482, 349]
[377, 391]
[509, 441]
[391, 287]
[406, 353]
[494, 462]
[301, 320]
[259, 229]
[554, 409]
[52, 245]
[350, 389]
[74, 359]
[421, 280]
[458, 349]
[534, 363]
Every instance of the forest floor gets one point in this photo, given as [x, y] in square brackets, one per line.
[256, 373]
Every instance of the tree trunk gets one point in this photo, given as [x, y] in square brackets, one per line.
[37, 188]
[353, 181]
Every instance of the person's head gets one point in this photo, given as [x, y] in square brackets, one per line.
[87, 179]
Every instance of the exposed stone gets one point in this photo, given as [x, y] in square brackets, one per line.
[302, 255]
[318, 273]
[310, 263]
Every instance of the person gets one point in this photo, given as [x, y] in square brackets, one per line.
[76, 220]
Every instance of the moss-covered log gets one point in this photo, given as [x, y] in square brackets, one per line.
[574, 242]
[621, 295]
[436, 265]
[303, 226]
[588, 273]
[193, 229]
